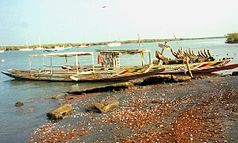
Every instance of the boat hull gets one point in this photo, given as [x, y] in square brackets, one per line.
[203, 71]
[127, 74]
[26, 75]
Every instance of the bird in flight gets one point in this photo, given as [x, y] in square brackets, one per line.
[104, 6]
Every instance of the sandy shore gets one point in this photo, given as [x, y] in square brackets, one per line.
[204, 110]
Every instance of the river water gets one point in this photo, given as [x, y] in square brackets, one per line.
[17, 123]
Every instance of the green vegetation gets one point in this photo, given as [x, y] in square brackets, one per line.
[232, 38]
[48, 46]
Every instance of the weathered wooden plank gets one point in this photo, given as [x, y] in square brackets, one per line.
[60, 112]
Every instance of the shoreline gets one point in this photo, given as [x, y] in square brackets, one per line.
[202, 110]
[48, 46]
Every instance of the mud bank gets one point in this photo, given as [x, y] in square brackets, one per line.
[204, 110]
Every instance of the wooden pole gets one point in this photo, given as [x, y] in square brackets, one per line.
[93, 61]
[149, 57]
[30, 65]
[43, 60]
[138, 35]
[51, 70]
[76, 63]
[188, 67]
[162, 51]
[177, 41]
[142, 59]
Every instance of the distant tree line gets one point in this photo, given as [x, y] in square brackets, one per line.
[232, 38]
[49, 46]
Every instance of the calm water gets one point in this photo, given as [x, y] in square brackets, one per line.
[16, 124]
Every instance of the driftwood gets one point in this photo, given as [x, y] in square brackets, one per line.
[235, 73]
[60, 112]
[104, 107]
[188, 67]
[160, 56]
[166, 60]
[57, 96]
[163, 78]
[19, 104]
[180, 55]
[106, 88]
[155, 79]
[181, 78]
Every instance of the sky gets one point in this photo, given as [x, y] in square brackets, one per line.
[78, 21]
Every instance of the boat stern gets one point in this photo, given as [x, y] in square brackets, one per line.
[7, 73]
[11, 73]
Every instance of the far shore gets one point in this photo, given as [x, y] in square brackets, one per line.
[48, 46]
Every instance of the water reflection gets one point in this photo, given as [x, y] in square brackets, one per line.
[58, 86]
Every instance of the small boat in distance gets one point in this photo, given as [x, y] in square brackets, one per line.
[50, 50]
[83, 46]
[1, 51]
[26, 49]
[114, 44]
[57, 48]
[39, 48]
[27, 45]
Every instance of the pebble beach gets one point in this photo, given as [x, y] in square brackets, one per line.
[201, 110]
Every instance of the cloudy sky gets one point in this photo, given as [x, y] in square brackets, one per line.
[62, 21]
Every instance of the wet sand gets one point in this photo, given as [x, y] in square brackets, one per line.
[204, 110]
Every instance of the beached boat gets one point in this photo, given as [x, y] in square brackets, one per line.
[201, 63]
[203, 68]
[108, 70]
[180, 55]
